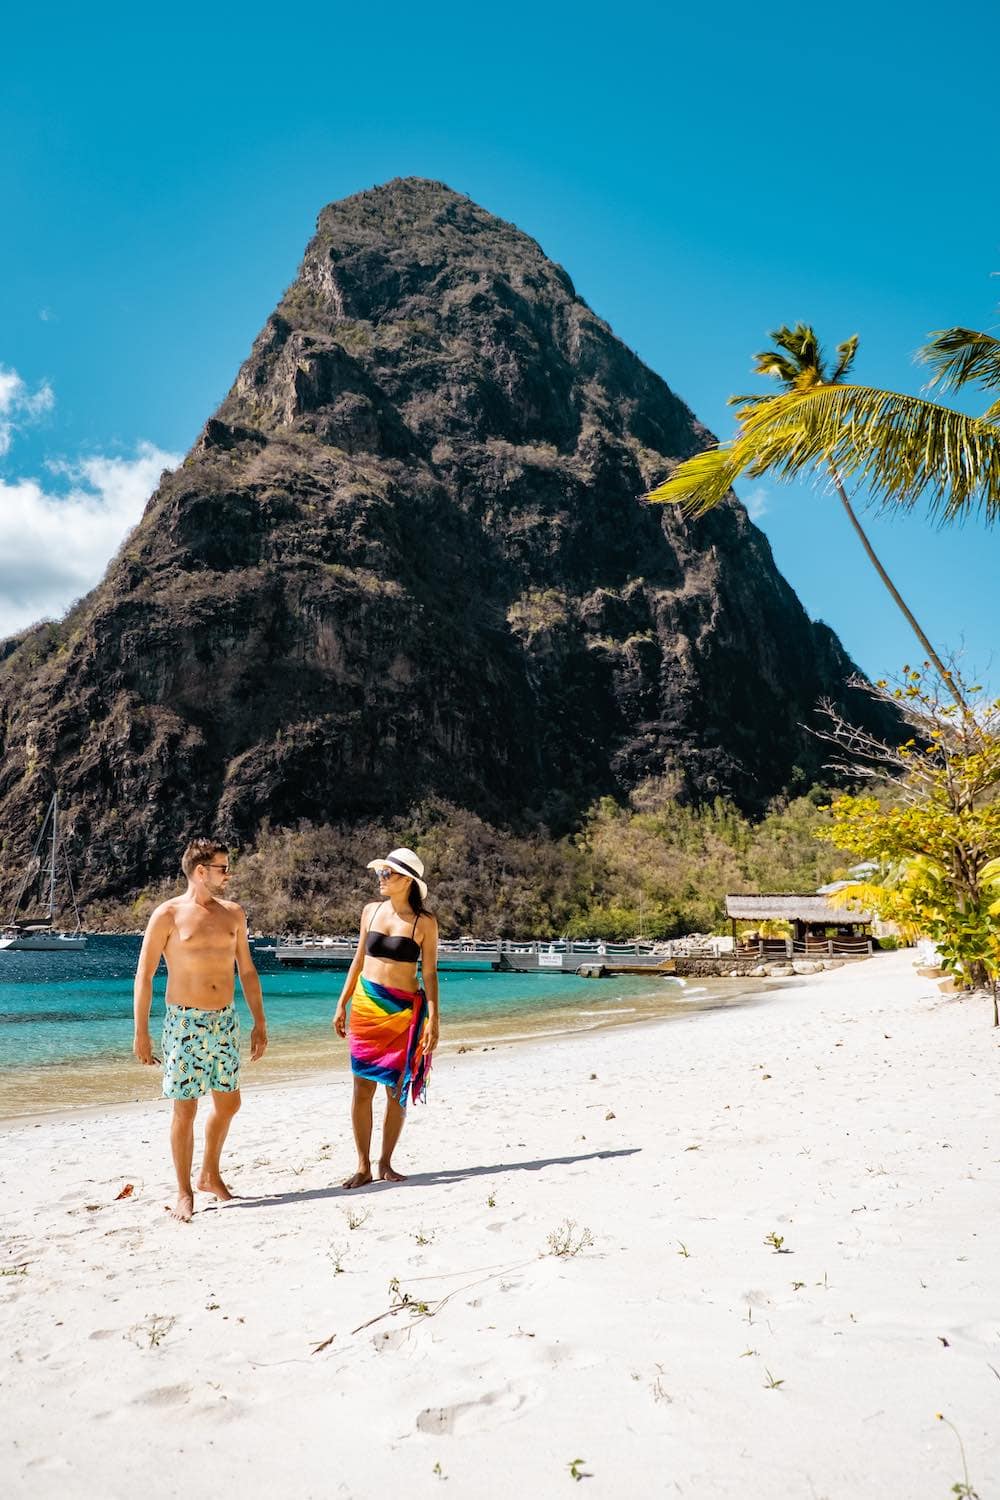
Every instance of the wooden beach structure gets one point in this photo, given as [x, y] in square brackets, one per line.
[822, 926]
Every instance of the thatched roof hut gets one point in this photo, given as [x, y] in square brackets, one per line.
[811, 910]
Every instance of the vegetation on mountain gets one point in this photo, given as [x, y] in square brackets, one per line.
[653, 868]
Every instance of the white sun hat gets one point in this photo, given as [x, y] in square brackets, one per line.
[404, 862]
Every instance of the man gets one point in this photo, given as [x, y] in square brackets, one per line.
[201, 936]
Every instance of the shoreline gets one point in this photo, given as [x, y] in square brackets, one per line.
[124, 1073]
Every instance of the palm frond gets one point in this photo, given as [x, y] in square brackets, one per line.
[903, 448]
[959, 356]
[742, 401]
[699, 483]
[801, 343]
[770, 362]
[845, 358]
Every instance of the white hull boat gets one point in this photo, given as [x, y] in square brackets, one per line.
[39, 935]
[42, 942]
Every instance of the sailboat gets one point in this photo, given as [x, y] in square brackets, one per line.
[37, 934]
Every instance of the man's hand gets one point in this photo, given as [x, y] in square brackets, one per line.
[258, 1043]
[431, 1035]
[142, 1046]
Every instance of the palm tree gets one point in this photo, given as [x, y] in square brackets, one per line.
[961, 355]
[903, 448]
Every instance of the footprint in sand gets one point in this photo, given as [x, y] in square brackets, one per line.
[491, 1410]
[164, 1395]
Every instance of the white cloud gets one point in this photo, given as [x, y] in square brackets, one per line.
[58, 543]
[757, 503]
[19, 405]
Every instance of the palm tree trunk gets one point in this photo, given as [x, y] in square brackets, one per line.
[942, 670]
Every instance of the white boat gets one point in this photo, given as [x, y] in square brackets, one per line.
[43, 941]
[38, 935]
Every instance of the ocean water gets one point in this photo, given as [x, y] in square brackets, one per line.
[66, 1019]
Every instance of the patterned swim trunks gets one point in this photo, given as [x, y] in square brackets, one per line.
[201, 1051]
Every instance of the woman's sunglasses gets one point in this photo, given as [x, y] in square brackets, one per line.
[385, 874]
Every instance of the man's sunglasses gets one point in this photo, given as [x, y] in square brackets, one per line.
[222, 869]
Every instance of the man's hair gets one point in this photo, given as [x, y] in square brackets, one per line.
[200, 852]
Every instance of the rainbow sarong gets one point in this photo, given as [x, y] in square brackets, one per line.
[386, 1033]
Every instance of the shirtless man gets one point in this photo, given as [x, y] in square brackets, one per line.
[202, 937]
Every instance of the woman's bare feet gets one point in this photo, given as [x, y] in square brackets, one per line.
[215, 1185]
[183, 1209]
[387, 1173]
[359, 1179]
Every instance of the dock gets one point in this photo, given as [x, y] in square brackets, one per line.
[503, 956]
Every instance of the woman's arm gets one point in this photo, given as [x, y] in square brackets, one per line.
[429, 975]
[339, 1022]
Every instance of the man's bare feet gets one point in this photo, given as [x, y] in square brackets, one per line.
[183, 1209]
[387, 1173]
[359, 1179]
[214, 1185]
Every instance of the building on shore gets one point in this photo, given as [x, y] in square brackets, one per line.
[819, 924]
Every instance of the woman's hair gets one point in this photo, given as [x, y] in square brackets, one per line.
[416, 902]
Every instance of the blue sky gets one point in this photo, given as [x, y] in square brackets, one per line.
[703, 173]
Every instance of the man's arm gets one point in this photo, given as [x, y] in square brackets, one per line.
[154, 941]
[250, 984]
[429, 976]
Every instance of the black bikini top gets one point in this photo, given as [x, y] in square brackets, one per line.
[401, 950]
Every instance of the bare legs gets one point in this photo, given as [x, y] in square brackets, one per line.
[224, 1107]
[182, 1148]
[361, 1121]
[391, 1129]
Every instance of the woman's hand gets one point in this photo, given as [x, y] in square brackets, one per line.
[339, 1022]
[431, 1035]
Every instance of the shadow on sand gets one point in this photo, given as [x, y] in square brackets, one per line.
[429, 1179]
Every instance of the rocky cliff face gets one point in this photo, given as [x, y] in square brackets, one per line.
[409, 555]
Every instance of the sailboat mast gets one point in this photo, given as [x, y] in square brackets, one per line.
[54, 812]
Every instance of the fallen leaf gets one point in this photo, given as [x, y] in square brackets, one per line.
[126, 1192]
[325, 1344]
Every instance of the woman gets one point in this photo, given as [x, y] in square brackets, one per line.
[394, 1023]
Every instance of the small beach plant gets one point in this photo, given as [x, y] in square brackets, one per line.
[963, 1489]
[568, 1240]
[150, 1333]
[337, 1255]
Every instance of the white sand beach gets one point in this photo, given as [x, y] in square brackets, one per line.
[784, 1218]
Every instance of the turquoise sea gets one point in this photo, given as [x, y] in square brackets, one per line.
[66, 1019]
